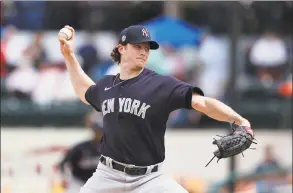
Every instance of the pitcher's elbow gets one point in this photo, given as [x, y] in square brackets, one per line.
[198, 103]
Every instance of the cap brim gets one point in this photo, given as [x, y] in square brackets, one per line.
[153, 44]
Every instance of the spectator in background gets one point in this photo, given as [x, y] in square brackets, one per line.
[89, 54]
[24, 78]
[269, 163]
[269, 56]
[35, 52]
[214, 54]
[192, 63]
[173, 61]
[270, 172]
[194, 66]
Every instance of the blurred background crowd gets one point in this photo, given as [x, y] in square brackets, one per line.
[196, 47]
[195, 42]
[254, 76]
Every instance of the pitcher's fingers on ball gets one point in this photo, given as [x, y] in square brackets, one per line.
[71, 29]
[62, 39]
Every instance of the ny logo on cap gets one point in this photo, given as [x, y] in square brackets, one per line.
[145, 33]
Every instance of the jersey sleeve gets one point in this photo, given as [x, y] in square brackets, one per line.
[92, 96]
[180, 94]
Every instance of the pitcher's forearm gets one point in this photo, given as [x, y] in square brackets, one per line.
[80, 81]
[217, 110]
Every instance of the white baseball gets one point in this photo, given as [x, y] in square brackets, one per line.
[66, 33]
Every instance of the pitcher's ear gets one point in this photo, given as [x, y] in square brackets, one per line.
[121, 48]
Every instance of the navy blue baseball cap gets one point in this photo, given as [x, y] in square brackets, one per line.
[137, 34]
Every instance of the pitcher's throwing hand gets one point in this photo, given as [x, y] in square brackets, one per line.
[66, 40]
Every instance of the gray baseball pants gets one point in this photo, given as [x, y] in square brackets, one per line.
[108, 180]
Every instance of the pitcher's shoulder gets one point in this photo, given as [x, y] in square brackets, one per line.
[106, 79]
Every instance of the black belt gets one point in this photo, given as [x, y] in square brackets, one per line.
[131, 170]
